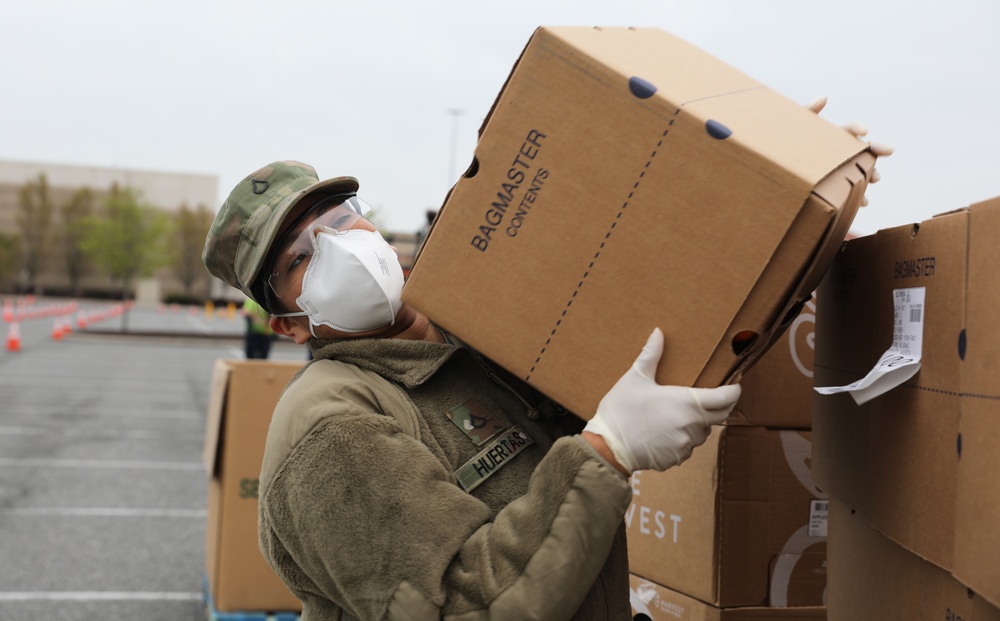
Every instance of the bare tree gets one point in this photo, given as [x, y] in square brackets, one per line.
[35, 220]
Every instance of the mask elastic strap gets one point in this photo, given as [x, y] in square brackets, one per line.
[298, 314]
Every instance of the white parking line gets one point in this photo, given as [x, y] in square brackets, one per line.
[103, 463]
[105, 512]
[121, 411]
[94, 433]
[99, 596]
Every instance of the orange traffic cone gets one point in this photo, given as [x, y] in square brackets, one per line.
[13, 337]
[67, 325]
[57, 329]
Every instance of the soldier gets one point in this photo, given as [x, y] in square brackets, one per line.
[257, 341]
[405, 475]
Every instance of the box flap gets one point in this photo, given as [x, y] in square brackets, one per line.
[843, 189]
[950, 211]
[781, 130]
[221, 371]
[840, 193]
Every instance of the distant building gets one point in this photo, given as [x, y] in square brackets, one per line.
[163, 190]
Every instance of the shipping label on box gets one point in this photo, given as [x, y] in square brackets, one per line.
[242, 400]
[626, 180]
[736, 524]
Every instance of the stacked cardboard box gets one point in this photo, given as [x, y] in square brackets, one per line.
[740, 527]
[872, 577]
[655, 602]
[243, 397]
[920, 463]
[626, 180]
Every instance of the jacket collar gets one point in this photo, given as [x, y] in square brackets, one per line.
[403, 361]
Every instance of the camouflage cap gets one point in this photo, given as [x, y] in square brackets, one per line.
[247, 223]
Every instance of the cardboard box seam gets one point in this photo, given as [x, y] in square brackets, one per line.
[719, 526]
[600, 248]
[775, 324]
[912, 386]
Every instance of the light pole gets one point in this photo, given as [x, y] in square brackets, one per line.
[455, 113]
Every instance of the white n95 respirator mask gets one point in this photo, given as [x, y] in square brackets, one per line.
[353, 282]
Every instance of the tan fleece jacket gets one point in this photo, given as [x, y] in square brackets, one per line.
[361, 514]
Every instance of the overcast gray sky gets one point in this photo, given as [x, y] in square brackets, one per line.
[366, 88]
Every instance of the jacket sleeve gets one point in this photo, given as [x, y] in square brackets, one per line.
[364, 515]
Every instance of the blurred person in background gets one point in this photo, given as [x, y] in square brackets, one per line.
[257, 341]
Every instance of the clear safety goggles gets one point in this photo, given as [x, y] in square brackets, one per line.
[340, 212]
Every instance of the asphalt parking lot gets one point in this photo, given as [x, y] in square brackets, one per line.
[102, 487]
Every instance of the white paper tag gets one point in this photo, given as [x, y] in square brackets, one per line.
[819, 512]
[902, 360]
[646, 592]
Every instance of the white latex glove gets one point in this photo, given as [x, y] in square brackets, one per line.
[859, 131]
[648, 426]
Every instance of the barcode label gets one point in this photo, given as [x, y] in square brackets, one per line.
[902, 360]
[819, 511]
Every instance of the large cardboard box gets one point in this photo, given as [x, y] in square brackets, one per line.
[655, 602]
[243, 397]
[901, 458]
[894, 458]
[738, 524]
[871, 577]
[977, 510]
[626, 180]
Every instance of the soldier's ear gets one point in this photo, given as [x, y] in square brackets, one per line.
[292, 327]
